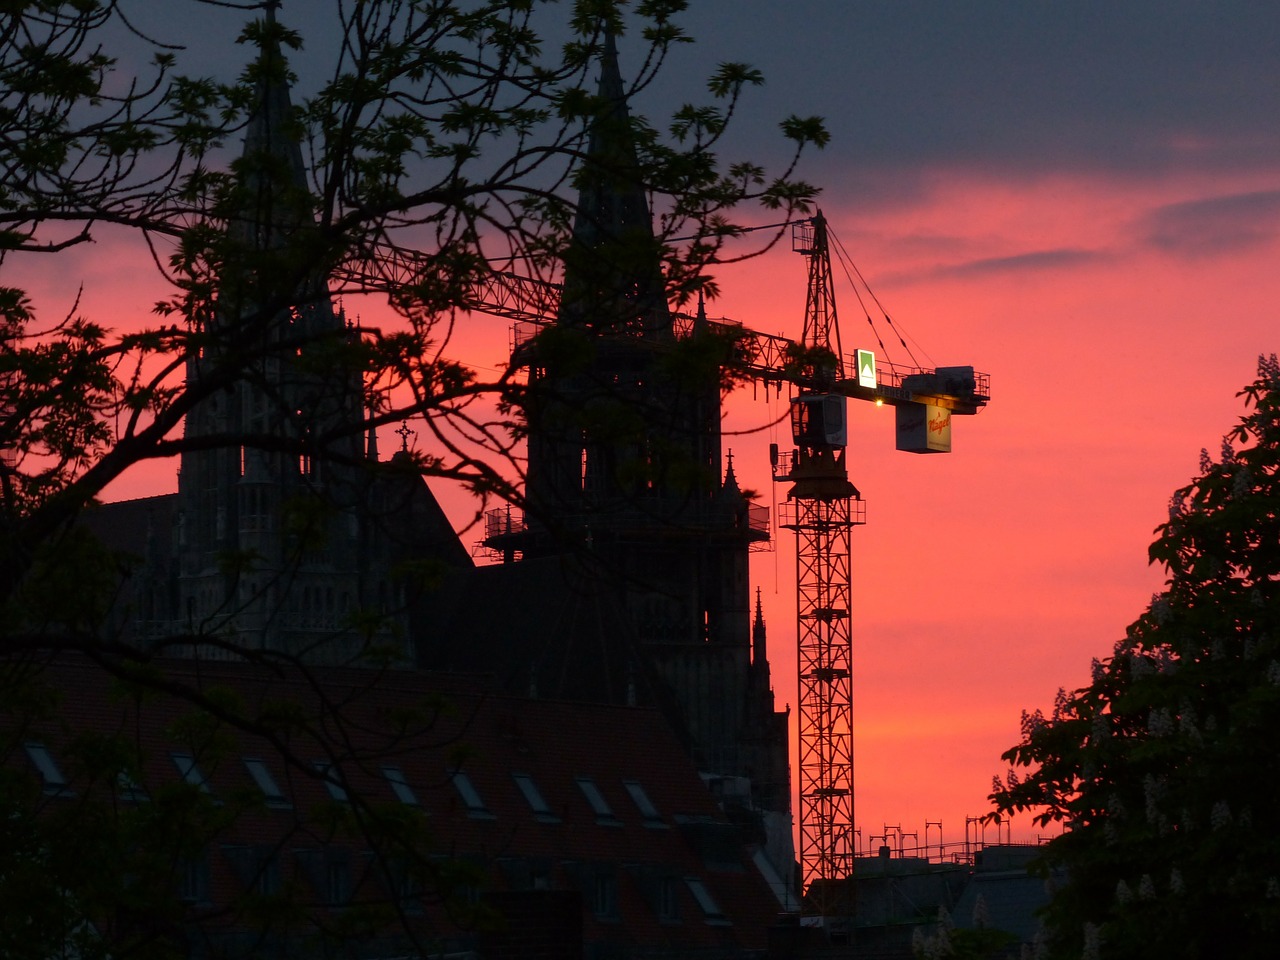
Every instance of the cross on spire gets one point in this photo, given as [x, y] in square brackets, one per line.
[405, 433]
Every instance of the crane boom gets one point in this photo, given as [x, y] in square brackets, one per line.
[533, 303]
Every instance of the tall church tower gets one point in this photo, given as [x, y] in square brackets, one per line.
[274, 542]
[625, 465]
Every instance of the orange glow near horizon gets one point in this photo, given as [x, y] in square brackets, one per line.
[985, 579]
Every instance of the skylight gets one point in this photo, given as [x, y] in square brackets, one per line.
[470, 795]
[539, 805]
[652, 818]
[604, 813]
[190, 770]
[400, 786]
[129, 788]
[266, 783]
[54, 781]
[331, 782]
[708, 904]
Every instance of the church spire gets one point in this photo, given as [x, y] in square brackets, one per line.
[278, 198]
[611, 88]
[759, 647]
[613, 270]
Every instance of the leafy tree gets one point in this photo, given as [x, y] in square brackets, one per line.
[443, 149]
[1163, 770]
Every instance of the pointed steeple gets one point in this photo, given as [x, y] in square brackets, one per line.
[700, 318]
[613, 272]
[611, 88]
[272, 130]
[278, 198]
[730, 479]
[731, 493]
[759, 647]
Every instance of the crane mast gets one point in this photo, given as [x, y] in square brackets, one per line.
[822, 507]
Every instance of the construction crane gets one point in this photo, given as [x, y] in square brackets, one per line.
[822, 507]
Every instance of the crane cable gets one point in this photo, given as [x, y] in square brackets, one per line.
[847, 265]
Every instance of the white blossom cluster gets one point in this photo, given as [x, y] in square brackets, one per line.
[1060, 701]
[1033, 723]
[937, 945]
[1220, 815]
[1100, 730]
[1161, 612]
[981, 914]
[1160, 723]
[1038, 948]
[1092, 942]
[1146, 888]
[1153, 792]
[1187, 723]
[1140, 664]
[1116, 807]
[1242, 482]
[1268, 368]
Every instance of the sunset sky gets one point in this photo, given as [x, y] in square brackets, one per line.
[1082, 200]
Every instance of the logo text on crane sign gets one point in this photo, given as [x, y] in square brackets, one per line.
[866, 369]
[923, 428]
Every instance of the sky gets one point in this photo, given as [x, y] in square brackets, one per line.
[1081, 200]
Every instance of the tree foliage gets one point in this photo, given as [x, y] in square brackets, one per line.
[1163, 770]
[441, 149]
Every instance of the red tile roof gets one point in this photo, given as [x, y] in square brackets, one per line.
[353, 723]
